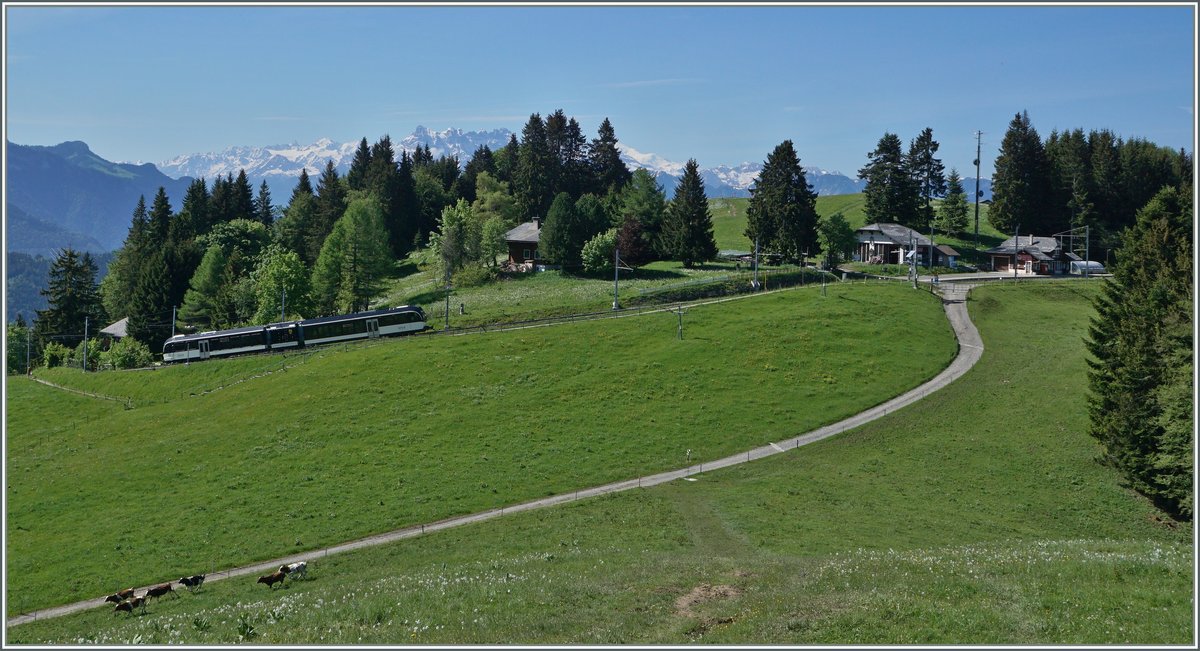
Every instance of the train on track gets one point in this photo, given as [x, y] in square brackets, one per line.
[406, 319]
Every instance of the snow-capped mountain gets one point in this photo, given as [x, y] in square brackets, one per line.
[279, 165]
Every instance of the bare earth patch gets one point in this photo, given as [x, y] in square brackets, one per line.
[701, 593]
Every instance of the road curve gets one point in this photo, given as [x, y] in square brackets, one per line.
[970, 349]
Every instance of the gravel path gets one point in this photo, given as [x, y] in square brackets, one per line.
[970, 349]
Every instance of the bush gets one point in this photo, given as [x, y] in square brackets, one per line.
[127, 353]
[473, 276]
[598, 252]
[55, 354]
[94, 350]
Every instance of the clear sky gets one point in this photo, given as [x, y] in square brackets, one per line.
[722, 85]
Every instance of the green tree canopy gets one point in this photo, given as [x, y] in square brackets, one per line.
[353, 261]
[952, 212]
[688, 228]
[782, 214]
[1020, 184]
[891, 194]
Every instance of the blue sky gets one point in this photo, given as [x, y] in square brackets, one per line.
[722, 85]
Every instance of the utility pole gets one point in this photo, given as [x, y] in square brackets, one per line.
[85, 334]
[283, 305]
[1016, 248]
[978, 136]
[28, 340]
[912, 261]
[755, 283]
[1087, 251]
[616, 274]
[930, 247]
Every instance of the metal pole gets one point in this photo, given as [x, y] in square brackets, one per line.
[85, 334]
[1016, 247]
[755, 283]
[1087, 250]
[447, 295]
[931, 247]
[172, 320]
[978, 135]
[28, 339]
[283, 305]
[616, 274]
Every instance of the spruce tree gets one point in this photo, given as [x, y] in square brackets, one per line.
[507, 160]
[408, 208]
[329, 205]
[1021, 182]
[263, 211]
[243, 197]
[891, 195]
[73, 297]
[303, 185]
[117, 286]
[557, 240]
[643, 201]
[927, 172]
[688, 228]
[481, 161]
[1141, 344]
[356, 178]
[353, 261]
[609, 172]
[532, 183]
[782, 214]
[220, 201]
[159, 219]
[150, 306]
[952, 213]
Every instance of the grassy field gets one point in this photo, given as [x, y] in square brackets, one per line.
[227, 462]
[977, 516]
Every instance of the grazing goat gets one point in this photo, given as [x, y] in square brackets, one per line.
[295, 569]
[192, 582]
[118, 597]
[160, 590]
[272, 578]
[129, 604]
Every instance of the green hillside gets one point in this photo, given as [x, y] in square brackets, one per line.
[226, 462]
[976, 516]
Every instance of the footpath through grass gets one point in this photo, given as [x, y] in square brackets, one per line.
[976, 516]
[303, 451]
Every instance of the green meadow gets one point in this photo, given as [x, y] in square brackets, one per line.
[227, 462]
[976, 516]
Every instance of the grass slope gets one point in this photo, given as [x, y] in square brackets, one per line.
[273, 455]
[975, 516]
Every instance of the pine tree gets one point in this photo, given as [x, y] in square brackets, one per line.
[481, 161]
[159, 222]
[263, 211]
[557, 239]
[243, 197]
[291, 232]
[356, 178]
[150, 306]
[507, 160]
[384, 183]
[220, 201]
[782, 214]
[303, 186]
[194, 217]
[608, 170]
[642, 199]
[952, 213]
[891, 195]
[117, 286]
[1141, 342]
[688, 228]
[408, 208]
[73, 297]
[532, 182]
[1021, 182]
[329, 206]
[927, 172]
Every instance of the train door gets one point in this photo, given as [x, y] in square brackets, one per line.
[203, 349]
[373, 328]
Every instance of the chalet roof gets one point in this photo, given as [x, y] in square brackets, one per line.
[1031, 244]
[894, 233]
[527, 232]
[117, 330]
[947, 250]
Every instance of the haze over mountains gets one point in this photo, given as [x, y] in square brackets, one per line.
[66, 195]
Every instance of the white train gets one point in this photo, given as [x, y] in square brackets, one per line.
[402, 320]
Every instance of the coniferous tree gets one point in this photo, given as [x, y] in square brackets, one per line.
[688, 228]
[927, 171]
[952, 213]
[73, 297]
[117, 287]
[353, 261]
[558, 239]
[481, 161]
[263, 211]
[408, 208]
[194, 216]
[507, 160]
[303, 186]
[150, 305]
[1021, 182]
[642, 200]
[532, 182]
[608, 170]
[291, 232]
[220, 200]
[891, 195]
[329, 205]
[159, 219]
[356, 178]
[783, 207]
[1068, 156]
[384, 183]
[243, 197]
[1141, 342]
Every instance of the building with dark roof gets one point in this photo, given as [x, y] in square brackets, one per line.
[1038, 255]
[523, 242]
[890, 244]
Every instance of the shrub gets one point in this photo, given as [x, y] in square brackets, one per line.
[55, 354]
[127, 353]
[598, 252]
[473, 276]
